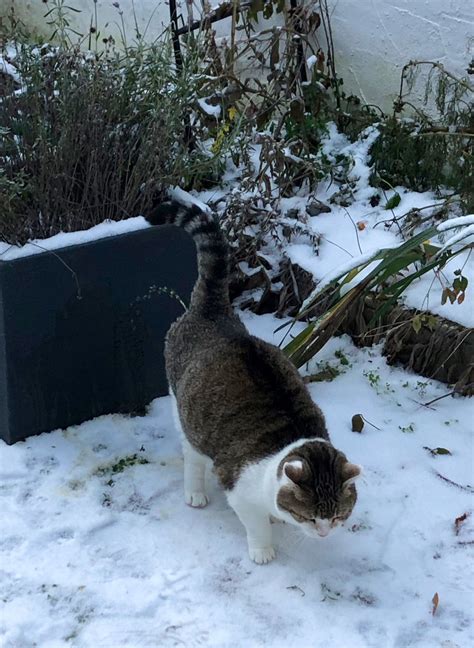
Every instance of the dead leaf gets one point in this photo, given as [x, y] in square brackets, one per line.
[459, 521]
[357, 423]
[361, 225]
[435, 601]
[416, 323]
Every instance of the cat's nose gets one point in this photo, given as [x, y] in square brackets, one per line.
[322, 529]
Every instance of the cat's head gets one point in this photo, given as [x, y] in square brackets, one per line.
[316, 488]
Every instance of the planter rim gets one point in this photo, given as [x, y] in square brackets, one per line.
[100, 232]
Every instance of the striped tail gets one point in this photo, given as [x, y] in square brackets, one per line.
[211, 293]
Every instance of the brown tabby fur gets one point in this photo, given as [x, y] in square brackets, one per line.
[240, 399]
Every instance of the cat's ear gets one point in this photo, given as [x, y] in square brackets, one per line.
[350, 472]
[295, 470]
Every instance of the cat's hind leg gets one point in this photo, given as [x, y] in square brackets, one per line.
[194, 475]
[194, 465]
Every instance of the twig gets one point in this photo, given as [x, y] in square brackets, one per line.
[438, 398]
[467, 488]
[338, 246]
[225, 10]
[74, 274]
[299, 48]
[374, 426]
[295, 587]
[440, 67]
[355, 229]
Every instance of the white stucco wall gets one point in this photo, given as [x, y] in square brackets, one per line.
[151, 13]
[373, 38]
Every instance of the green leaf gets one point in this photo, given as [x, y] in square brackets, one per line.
[394, 201]
[299, 340]
[437, 451]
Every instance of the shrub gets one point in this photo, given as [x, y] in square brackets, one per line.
[434, 148]
[90, 136]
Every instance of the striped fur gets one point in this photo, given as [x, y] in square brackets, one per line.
[242, 404]
[210, 296]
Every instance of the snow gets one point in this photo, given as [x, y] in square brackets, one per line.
[209, 109]
[102, 230]
[93, 557]
[311, 62]
[176, 193]
[6, 66]
[456, 222]
[66, 239]
[462, 234]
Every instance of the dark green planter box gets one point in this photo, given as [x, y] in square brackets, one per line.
[65, 360]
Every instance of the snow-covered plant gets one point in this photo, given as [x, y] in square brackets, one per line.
[387, 273]
[88, 136]
[428, 144]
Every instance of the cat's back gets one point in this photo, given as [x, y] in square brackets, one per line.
[192, 339]
[239, 396]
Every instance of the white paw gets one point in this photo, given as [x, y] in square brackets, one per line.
[196, 499]
[262, 555]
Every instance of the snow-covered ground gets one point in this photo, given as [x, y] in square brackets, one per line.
[99, 549]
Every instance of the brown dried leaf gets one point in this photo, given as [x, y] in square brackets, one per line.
[357, 423]
[435, 601]
[459, 521]
[361, 225]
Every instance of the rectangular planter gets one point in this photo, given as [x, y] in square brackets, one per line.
[67, 357]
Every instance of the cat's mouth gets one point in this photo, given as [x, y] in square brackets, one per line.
[314, 532]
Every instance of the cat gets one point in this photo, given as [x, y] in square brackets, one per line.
[241, 405]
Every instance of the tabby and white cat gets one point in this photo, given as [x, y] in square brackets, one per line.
[242, 405]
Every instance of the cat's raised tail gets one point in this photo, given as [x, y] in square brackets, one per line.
[211, 292]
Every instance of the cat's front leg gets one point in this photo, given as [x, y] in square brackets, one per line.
[259, 531]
